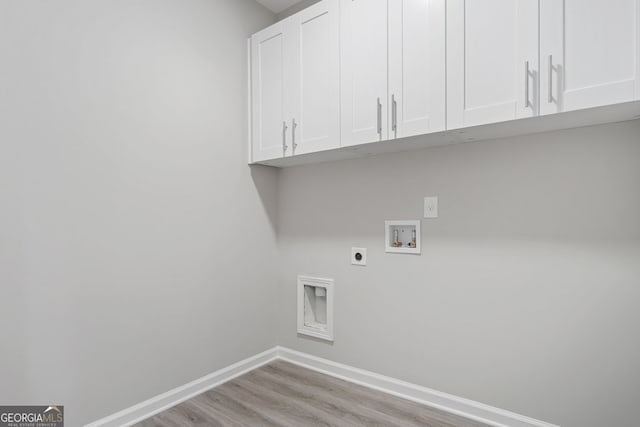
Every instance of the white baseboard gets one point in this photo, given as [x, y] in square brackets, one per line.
[164, 401]
[446, 402]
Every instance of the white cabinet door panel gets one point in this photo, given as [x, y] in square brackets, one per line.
[363, 44]
[315, 85]
[268, 79]
[417, 68]
[492, 61]
[589, 52]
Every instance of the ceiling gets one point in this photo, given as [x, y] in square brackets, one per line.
[278, 6]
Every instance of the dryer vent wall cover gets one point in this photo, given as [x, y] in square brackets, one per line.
[315, 307]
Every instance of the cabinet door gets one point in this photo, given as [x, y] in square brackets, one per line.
[268, 77]
[589, 53]
[315, 85]
[363, 35]
[417, 67]
[492, 61]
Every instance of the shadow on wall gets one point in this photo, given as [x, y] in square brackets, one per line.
[265, 180]
[296, 8]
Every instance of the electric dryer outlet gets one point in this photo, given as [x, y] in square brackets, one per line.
[359, 256]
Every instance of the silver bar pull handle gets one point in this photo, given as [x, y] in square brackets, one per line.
[550, 95]
[294, 125]
[284, 138]
[526, 84]
[394, 116]
[379, 117]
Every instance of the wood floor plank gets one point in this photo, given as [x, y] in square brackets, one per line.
[282, 394]
[232, 405]
[215, 417]
[333, 402]
[327, 411]
[405, 410]
[205, 416]
[282, 412]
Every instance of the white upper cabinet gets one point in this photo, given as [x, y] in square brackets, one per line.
[315, 88]
[393, 70]
[295, 84]
[268, 77]
[417, 68]
[492, 61]
[363, 44]
[589, 53]
[350, 72]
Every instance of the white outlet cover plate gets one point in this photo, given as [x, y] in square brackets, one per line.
[362, 251]
[431, 207]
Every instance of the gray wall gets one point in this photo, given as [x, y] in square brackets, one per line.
[526, 293]
[136, 253]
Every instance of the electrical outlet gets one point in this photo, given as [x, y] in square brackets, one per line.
[431, 207]
[359, 256]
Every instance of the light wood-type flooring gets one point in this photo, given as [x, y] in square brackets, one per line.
[283, 394]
